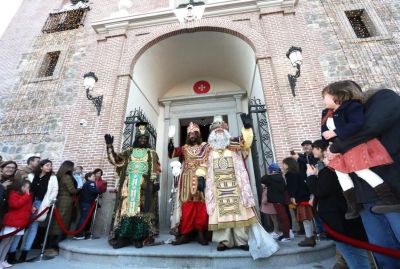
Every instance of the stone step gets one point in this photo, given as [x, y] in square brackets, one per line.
[194, 256]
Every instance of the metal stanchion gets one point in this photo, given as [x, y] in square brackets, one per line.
[42, 257]
[91, 237]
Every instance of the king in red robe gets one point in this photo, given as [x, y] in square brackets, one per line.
[190, 212]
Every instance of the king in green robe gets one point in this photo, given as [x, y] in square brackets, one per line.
[135, 218]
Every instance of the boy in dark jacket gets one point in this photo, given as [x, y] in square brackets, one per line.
[87, 196]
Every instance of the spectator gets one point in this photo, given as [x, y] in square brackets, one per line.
[276, 194]
[19, 211]
[100, 183]
[331, 207]
[23, 173]
[300, 196]
[44, 190]
[87, 196]
[344, 117]
[8, 169]
[65, 203]
[78, 176]
[382, 117]
[304, 158]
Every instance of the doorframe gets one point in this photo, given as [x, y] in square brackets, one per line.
[228, 103]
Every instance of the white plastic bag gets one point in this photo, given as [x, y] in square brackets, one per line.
[261, 243]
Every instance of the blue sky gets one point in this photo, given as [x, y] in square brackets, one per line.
[7, 11]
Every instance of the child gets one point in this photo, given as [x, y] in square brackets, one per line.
[344, 117]
[276, 196]
[300, 196]
[87, 195]
[18, 215]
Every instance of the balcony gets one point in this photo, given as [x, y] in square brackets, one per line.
[65, 20]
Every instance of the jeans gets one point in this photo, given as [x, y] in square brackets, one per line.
[85, 208]
[30, 232]
[382, 230]
[356, 258]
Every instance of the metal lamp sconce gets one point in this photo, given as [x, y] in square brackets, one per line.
[295, 57]
[89, 79]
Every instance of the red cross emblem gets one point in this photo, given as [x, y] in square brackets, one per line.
[201, 87]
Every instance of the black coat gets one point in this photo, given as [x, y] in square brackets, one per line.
[348, 118]
[276, 188]
[382, 121]
[303, 160]
[297, 187]
[331, 206]
[89, 192]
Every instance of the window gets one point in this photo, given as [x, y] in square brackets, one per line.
[49, 64]
[68, 19]
[361, 23]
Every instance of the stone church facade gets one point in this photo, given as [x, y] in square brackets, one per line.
[146, 59]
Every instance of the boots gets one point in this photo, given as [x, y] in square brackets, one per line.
[12, 258]
[352, 207]
[183, 239]
[307, 242]
[23, 256]
[201, 238]
[388, 202]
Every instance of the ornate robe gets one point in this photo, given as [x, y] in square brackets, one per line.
[229, 197]
[193, 157]
[136, 206]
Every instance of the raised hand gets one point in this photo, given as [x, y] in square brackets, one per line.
[109, 139]
[246, 119]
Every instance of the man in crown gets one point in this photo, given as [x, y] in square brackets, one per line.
[135, 218]
[229, 197]
[190, 209]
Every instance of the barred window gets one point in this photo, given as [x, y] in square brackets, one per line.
[65, 20]
[49, 64]
[361, 23]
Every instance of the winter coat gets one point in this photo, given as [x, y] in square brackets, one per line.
[382, 120]
[89, 192]
[348, 119]
[303, 160]
[65, 203]
[276, 188]
[297, 187]
[51, 194]
[19, 209]
[331, 206]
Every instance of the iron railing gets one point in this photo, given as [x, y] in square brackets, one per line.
[65, 20]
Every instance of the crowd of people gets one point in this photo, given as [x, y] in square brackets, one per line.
[346, 181]
[26, 193]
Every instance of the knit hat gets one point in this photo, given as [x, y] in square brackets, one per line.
[274, 167]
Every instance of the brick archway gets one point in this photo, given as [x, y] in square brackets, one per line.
[253, 38]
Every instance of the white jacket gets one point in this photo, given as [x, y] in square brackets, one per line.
[52, 192]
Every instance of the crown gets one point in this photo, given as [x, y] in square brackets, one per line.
[218, 124]
[193, 127]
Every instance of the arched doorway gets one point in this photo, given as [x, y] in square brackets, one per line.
[163, 88]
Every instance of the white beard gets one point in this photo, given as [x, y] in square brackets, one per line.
[219, 140]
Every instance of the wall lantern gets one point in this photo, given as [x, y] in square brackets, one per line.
[294, 55]
[89, 79]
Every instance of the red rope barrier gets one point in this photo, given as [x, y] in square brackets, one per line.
[30, 222]
[62, 226]
[361, 244]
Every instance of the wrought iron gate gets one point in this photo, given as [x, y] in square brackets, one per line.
[261, 149]
[134, 117]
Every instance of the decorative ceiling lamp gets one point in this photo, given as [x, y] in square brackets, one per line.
[190, 11]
